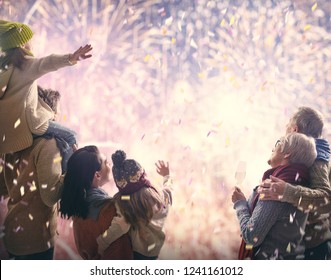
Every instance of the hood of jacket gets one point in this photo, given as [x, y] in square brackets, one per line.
[95, 198]
[323, 149]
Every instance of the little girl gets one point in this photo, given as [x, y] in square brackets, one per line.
[22, 114]
[141, 208]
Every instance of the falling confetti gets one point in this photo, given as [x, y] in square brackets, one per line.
[17, 123]
[313, 8]
[151, 247]
[125, 197]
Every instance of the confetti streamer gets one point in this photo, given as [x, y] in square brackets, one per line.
[17, 123]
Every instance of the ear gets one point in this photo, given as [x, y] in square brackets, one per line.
[287, 155]
[295, 128]
[97, 175]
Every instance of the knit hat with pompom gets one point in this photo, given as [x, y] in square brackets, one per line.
[128, 174]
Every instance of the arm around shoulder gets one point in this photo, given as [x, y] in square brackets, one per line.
[317, 196]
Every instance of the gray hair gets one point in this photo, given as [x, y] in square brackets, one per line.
[301, 148]
[309, 121]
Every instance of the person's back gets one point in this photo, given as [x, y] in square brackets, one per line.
[31, 179]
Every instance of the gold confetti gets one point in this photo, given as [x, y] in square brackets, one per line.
[307, 27]
[44, 186]
[1, 168]
[17, 123]
[310, 206]
[30, 217]
[249, 246]
[57, 159]
[232, 20]
[147, 58]
[313, 8]
[15, 182]
[227, 141]
[47, 224]
[222, 23]
[105, 234]
[201, 75]
[173, 40]
[125, 197]
[3, 138]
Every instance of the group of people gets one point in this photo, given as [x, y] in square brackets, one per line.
[286, 217]
[41, 165]
[288, 214]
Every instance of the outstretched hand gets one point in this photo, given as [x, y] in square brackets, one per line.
[272, 189]
[162, 168]
[81, 54]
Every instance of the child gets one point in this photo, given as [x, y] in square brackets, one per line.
[273, 229]
[22, 114]
[52, 99]
[141, 208]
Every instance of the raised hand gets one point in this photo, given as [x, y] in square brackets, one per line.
[162, 168]
[80, 54]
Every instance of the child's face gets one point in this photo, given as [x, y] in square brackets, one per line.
[277, 156]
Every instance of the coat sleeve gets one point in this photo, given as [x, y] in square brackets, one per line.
[318, 196]
[255, 227]
[37, 67]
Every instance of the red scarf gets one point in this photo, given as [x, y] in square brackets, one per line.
[291, 173]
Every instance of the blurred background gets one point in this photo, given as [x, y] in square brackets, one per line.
[207, 85]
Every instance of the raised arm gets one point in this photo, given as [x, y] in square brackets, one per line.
[37, 67]
[162, 168]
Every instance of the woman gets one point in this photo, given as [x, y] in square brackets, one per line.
[90, 207]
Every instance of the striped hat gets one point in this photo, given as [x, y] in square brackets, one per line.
[13, 34]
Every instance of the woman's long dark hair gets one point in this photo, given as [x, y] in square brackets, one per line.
[78, 179]
[15, 57]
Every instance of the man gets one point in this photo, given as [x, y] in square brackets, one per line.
[315, 199]
[31, 179]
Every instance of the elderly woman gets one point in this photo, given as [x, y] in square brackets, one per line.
[273, 229]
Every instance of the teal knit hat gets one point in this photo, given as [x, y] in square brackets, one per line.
[13, 34]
